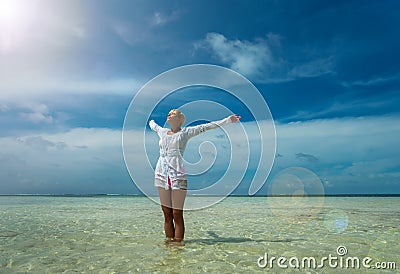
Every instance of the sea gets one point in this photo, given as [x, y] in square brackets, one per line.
[124, 234]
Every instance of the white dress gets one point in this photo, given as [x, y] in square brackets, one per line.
[170, 172]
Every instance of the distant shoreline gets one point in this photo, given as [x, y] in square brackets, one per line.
[233, 196]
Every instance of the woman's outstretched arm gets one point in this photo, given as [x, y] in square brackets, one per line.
[153, 125]
[196, 130]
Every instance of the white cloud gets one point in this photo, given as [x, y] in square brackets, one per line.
[94, 138]
[371, 167]
[338, 108]
[263, 60]
[312, 68]
[249, 58]
[128, 32]
[162, 18]
[374, 81]
[40, 143]
[363, 151]
[38, 113]
[306, 157]
[359, 150]
[158, 19]
[141, 28]
[36, 117]
[16, 91]
[81, 160]
[4, 107]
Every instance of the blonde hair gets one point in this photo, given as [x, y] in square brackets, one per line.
[181, 116]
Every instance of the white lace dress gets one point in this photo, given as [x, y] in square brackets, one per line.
[170, 172]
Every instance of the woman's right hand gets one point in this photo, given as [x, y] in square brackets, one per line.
[235, 118]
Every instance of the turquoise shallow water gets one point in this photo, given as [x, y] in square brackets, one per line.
[125, 235]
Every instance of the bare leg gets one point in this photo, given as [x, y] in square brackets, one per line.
[166, 206]
[179, 225]
[178, 200]
[168, 222]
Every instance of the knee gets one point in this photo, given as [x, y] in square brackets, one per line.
[178, 215]
[168, 216]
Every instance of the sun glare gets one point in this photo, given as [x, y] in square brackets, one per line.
[15, 19]
[11, 11]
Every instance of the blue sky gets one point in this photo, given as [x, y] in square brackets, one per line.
[329, 71]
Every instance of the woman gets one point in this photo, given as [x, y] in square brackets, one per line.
[170, 175]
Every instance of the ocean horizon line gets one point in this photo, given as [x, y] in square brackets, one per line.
[232, 195]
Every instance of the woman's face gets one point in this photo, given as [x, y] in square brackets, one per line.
[173, 118]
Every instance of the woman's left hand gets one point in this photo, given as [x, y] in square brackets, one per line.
[235, 118]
